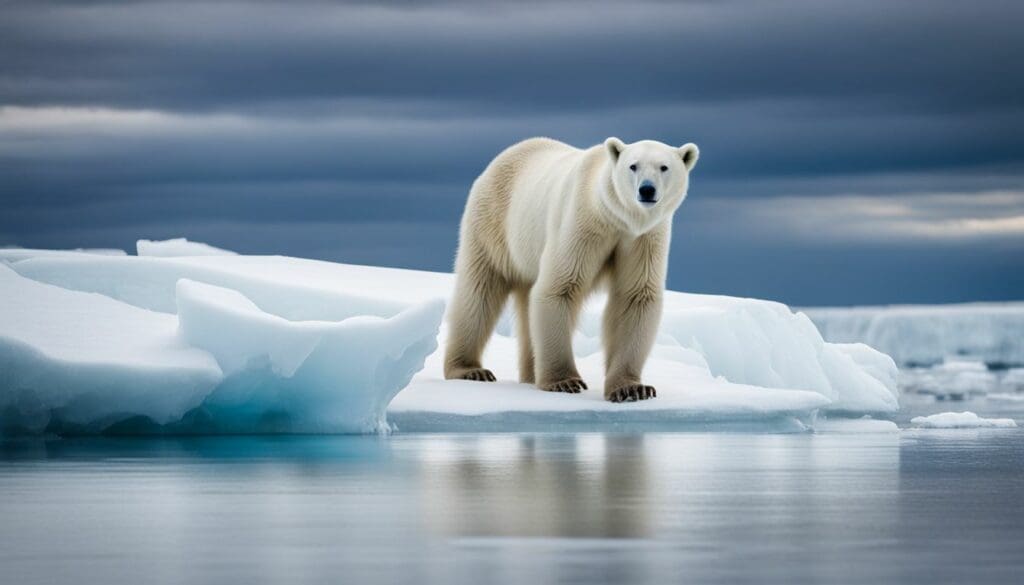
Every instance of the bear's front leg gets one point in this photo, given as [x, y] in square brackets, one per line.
[552, 320]
[630, 328]
[632, 316]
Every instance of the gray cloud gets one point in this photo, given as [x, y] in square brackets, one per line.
[552, 55]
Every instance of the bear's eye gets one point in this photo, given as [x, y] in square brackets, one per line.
[632, 168]
[663, 168]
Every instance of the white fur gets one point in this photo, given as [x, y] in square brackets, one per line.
[549, 223]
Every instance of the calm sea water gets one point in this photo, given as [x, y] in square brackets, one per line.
[913, 507]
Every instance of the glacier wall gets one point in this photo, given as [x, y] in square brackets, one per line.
[926, 335]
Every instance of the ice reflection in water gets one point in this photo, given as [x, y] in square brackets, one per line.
[582, 508]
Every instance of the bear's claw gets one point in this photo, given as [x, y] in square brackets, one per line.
[632, 393]
[569, 385]
[480, 375]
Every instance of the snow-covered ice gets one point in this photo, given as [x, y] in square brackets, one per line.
[327, 376]
[15, 254]
[178, 247]
[310, 346]
[688, 397]
[92, 358]
[87, 361]
[960, 420]
[925, 335]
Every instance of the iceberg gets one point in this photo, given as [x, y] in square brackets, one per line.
[319, 376]
[920, 335]
[961, 420]
[91, 360]
[294, 345]
[78, 362]
[954, 378]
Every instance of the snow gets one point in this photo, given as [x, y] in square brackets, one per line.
[8, 255]
[688, 397]
[960, 420]
[308, 346]
[924, 335]
[293, 288]
[178, 247]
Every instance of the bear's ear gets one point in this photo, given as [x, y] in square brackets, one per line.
[615, 147]
[689, 153]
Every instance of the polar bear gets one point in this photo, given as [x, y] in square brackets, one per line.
[549, 223]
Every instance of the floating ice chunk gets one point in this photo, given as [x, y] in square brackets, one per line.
[960, 420]
[222, 364]
[743, 341]
[924, 335]
[89, 359]
[178, 247]
[320, 376]
[954, 378]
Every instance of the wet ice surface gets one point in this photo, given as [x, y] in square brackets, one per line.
[916, 507]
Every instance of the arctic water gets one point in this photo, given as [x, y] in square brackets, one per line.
[915, 506]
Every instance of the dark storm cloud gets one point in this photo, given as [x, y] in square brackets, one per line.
[352, 131]
[551, 55]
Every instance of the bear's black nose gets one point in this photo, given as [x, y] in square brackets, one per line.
[647, 193]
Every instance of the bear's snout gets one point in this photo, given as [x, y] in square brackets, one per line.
[647, 193]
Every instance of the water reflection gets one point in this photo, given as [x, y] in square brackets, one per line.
[586, 508]
[534, 486]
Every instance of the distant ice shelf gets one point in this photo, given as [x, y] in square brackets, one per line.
[198, 341]
[925, 335]
[176, 247]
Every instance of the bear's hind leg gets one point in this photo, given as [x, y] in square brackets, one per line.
[527, 373]
[480, 295]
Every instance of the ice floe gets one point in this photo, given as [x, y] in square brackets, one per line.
[960, 420]
[74, 362]
[284, 344]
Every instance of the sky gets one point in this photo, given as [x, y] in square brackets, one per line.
[862, 152]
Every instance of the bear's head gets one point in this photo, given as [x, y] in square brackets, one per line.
[648, 179]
